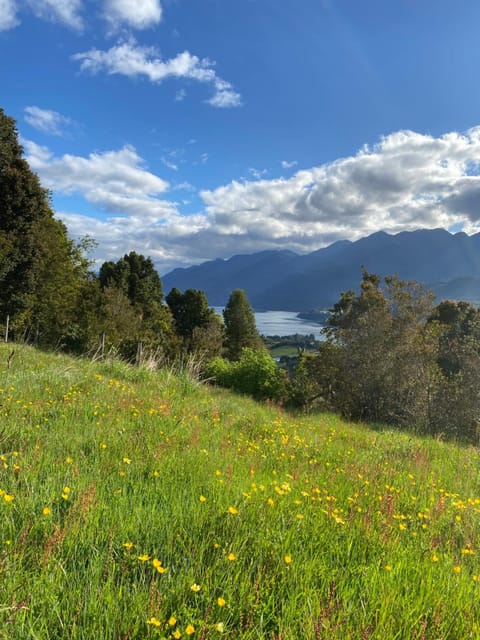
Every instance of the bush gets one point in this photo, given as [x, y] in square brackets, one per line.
[255, 373]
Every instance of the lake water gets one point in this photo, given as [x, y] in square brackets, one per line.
[282, 323]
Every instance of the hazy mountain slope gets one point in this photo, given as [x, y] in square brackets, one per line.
[285, 280]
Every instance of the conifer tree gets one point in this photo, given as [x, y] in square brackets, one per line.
[240, 328]
[40, 267]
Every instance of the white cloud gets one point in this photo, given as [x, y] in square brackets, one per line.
[8, 15]
[257, 173]
[180, 95]
[46, 121]
[136, 14]
[139, 14]
[225, 96]
[407, 181]
[65, 11]
[132, 60]
[288, 165]
[168, 163]
[114, 181]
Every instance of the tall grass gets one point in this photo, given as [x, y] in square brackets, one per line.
[268, 525]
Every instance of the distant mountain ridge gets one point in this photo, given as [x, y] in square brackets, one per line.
[447, 263]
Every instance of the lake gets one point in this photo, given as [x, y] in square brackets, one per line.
[282, 323]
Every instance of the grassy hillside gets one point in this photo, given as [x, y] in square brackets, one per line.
[139, 505]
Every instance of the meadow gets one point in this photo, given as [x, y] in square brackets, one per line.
[138, 504]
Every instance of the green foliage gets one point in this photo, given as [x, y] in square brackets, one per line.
[137, 278]
[195, 323]
[460, 336]
[392, 357]
[385, 361]
[132, 311]
[41, 270]
[315, 378]
[255, 374]
[240, 328]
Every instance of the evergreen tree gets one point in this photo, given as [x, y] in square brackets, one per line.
[132, 289]
[240, 328]
[379, 361]
[191, 315]
[40, 273]
[137, 278]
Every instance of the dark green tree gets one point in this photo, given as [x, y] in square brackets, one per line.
[136, 276]
[132, 309]
[457, 405]
[240, 328]
[460, 334]
[381, 363]
[40, 273]
[192, 317]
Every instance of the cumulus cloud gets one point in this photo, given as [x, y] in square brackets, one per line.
[114, 181]
[134, 14]
[65, 11]
[406, 181]
[46, 120]
[8, 14]
[139, 14]
[288, 165]
[132, 60]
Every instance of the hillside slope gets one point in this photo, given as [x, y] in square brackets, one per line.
[144, 505]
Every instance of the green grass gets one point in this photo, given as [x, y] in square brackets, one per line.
[283, 350]
[336, 531]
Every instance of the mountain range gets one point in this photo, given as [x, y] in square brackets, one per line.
[447, 263]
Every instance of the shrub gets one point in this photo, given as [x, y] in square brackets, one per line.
[255, 374]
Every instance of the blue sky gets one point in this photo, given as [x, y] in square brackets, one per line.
[194, 129]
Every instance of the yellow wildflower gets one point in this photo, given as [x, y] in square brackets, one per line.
[202, 499]
[220, 627]
[154, 622]
[189, 629]
[46, 511]
[233, 510]
[221, 602]
[144, 558]
[288, 559]
[172, 621]
[232, 557]
[195, 587]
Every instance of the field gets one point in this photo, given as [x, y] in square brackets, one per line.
[145, 505]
